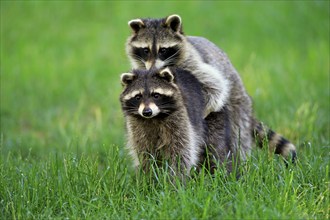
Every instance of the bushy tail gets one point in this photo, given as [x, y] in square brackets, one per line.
[277, 143]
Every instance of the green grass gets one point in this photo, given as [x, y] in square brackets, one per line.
[62, 130]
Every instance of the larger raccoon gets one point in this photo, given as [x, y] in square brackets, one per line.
[164, 117]
[228, 111]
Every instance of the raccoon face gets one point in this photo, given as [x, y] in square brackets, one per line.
[155, 42]
[148, 94]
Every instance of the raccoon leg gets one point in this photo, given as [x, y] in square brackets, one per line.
[176, 167]
[216, 86]
[220, 148]
[277, 143]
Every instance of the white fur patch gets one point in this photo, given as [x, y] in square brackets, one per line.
[148, 64]
[141, 44]
[166, 92]
[166, 45]
[193, 147]
[134, 63]
[288, 149]
[154, 108]
[141, 107]
[217, 86]
[159, 63]
[139, 21]
[130, 144]
[272, 143]
[170, 17]
[133, 94]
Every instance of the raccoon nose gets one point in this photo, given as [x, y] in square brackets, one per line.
[147, 112]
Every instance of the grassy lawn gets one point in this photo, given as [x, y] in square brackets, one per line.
[62, 131]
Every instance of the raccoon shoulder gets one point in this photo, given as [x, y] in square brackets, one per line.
[191, 88]
[203, 45]
[208, 51]
[192, 93]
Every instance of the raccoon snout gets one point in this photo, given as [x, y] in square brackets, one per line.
[147, 112]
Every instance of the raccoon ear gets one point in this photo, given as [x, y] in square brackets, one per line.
[167, 75]
[174, 22]
[127, 78]
[136, 25]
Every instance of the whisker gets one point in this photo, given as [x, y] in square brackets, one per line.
[137, 57]
[173, 55]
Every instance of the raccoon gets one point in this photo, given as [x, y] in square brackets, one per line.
[163, 110]
[228, 109]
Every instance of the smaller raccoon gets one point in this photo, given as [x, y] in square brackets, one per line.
[163, 110]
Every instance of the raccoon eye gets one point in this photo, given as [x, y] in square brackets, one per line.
[138, 97]
[146, 50]
[156, 95]
[162, 50]
[165, 53]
